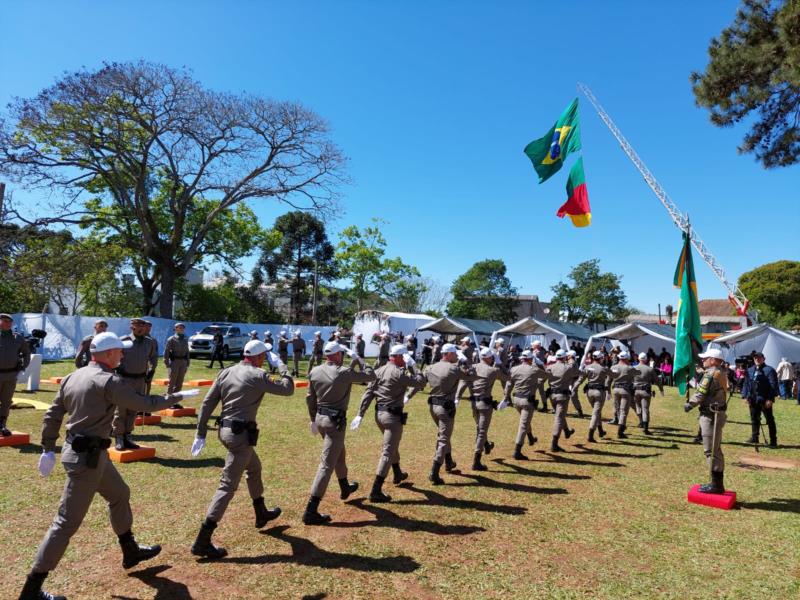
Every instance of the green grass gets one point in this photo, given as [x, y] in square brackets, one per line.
[607, 520]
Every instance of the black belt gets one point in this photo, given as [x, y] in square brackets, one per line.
[237, 423]
[82, 443]
[710, 410]
[392, 410]
[596, 386]
[562, 392]
[623, 386]
[334, 413]
[441, 401]
[643, 388]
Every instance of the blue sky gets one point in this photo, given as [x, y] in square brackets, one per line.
[433, 103]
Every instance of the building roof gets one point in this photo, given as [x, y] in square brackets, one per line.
[715, 307]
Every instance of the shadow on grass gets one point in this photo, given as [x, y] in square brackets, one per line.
[318, 596]
[484, 481]
[166, 589]
[436, 499]
[790, 505]
[591, 450]
[562, 457]
[30, 449]
[184, 425]
[628, 442]
[519, 469]
[154, 437]
[387, 518]
[306, 553]
[189, 463]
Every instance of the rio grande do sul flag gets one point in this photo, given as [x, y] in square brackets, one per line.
[577, 204]
[549, 152]
[688, 335]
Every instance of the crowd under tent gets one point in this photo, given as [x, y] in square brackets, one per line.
[371, 323]
[637, 337]
[773, 342]
[531, 330]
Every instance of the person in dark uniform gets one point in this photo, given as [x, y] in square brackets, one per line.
[176, 359]
[83, 357]
[316, 351]
[361, 346]
[298, 351]
[760, 390]
[15, 356]
[218, 344]
[283, 347]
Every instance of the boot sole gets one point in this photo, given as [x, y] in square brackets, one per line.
[272, 517]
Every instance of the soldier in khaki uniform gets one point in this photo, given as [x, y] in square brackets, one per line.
[83, 357]
[643, 381]
[283, 347]
[596, 376]
[391, 382]
[712, 397]
[176, 359]
[561, 377]
[361, 346]
[383, 350]
[572, 359]
[298, 351]
[468, 351]
[15, 356]
[88, 396]
[148, 327]
[622, 375]
[540, 359]
[521, 385]
[443, 377]
[240, 388]
[328, 396]
[483, 406]
[316, 351]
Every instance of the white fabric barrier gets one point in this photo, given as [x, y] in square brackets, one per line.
[774, 343]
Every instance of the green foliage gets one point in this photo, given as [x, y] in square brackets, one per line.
[774, 291]
[484, 292]
[754, 69]
[592, 297]
[226, 301]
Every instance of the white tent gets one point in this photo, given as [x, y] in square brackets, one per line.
[773, 342]
[638, 337]
[545, 332]
[369, 323]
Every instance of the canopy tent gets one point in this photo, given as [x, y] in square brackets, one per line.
[446, 326]
[638, 337]
[371, 323]
[774, 343]
[479, 326]
[546, 331]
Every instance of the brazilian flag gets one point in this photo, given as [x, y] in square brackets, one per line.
[548, 153]
[688, 336]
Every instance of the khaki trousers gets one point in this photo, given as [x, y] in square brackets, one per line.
[560, 418]
[622, 398]
[712, 440]
[525, 410]
[596, 398]
[176, 373]
[123, 419]
[391, 427]
[642, 400]
[333, 455]
[241, 458]
[482, 414]
[444, 422]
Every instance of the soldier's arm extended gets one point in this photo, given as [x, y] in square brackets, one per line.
[51, 424]
[283, 387]
[411, 377]
[467, 373]
[311, 401]
[364, 376]
[119, 392]
[209, 404]
[509, 387]
[366, 399]
[168, 352]
[84, 346]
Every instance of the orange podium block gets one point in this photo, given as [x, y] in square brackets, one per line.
[200, 382]
[126, 456]
[161, 381]
[178, 412]
[301, 384]
[15, 439]
[55, 380]
[147, 420]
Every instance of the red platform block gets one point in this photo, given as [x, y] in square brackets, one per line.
[126, 456]
[55, 380]
[15, 439]
[161, 381]
[178, 412]
[724, 501]
[200, 382]
[147, 420]
[301, 384]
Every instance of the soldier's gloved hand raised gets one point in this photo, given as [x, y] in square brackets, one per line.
[46, 463]
[688, 406]
[313, 427]
[406, 399]
[198, 445]
[462, 357]
[356, 423]
[187, 393]
[409, 360]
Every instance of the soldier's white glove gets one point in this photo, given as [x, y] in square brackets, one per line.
[456, 401]
[46, 463]
[314, 428]
[198, 445]
[409, 360]
[461, 356]
[272, 358]
[406, 398]
[187, 393]
[350, 352]
[504, 404]
[356, 423]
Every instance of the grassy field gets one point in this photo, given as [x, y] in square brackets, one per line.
[605, 520]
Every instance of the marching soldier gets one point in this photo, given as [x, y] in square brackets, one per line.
[437, 349]
[482, 404]
[572, 359]
[15, 356]
[83, 357]
[561, 377]
[622, 375]
[298, 351]
[468, 351]
[383, 350]
[253, 335]
[521, 385]
[240, 388]
[328, 396]
[711, 397]
[361, 346]
[88, 395]
[217, 349]
[643, 381]
[596, 375]
[443, 377]
[316, 351]
[176, 359]
[540, 358]
[138, 361]
[388, 389]
[283, 348]
[268, 338]
[501, 351]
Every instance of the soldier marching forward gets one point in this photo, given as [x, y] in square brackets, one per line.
[176, 359]
[388, 389]
[328, 396]
[596, 375]
[622, 375]
[240, 389]
[561, 377]
[712, 397]
[283, 348]
[88, 395]
[483, 406]
[316, 351]
[361, 346]
[298, 351]
[572, 359]
[15, 356]
[540, 358]
[383, 350]
[643, 381]
[83, 357]
[521, 386]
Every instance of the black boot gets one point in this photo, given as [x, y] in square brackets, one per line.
[177, 406]
[263, 514]
[32, 590]
[568, 432]
[4, 431]
[621, 432]
[133, 553]
[129, 443]
[346, 488]
[398, 476]
[119, 443]
[434, 476]
[449, 463]
[646, 425]
[377, 495]
[773, 442]
[716, 486]
[488, 447]
[476, 463]
[202, 545]
[554, 447]
[591, 436]
[601, 431]
[612, 421]
[531, 438]
[312, 516]
[518, 455]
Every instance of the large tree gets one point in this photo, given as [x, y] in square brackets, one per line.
[774, 292]
[591, 297]
[484, 292]
[753, 74]
[119, 140]
[304, 252]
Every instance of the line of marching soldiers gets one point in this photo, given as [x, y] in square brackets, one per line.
[89, 396]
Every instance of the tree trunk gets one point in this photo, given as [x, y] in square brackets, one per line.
[166, 302]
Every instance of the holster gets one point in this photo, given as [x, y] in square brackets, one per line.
[339, 417]
[91, 445]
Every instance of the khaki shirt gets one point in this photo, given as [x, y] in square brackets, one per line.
[13, 347]
[389, 387]
[89, 395]
[361, 346]
[560, 375]
[329, 386]
[443, 377]
[595, 374]
[383, 349]
[622, 373]
[524, 380]
[298, 346]
[646, 375]
[487, 375]
[176, 347]
[140, 359]
[83, 357]
[317, 346]
[283, 344]
[712, 389]
[240, 388]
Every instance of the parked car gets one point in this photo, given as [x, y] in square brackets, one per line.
[202, 343]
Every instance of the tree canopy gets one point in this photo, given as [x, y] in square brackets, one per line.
[753, 74]
[591, 298]
[484, 292]
[774, 291]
